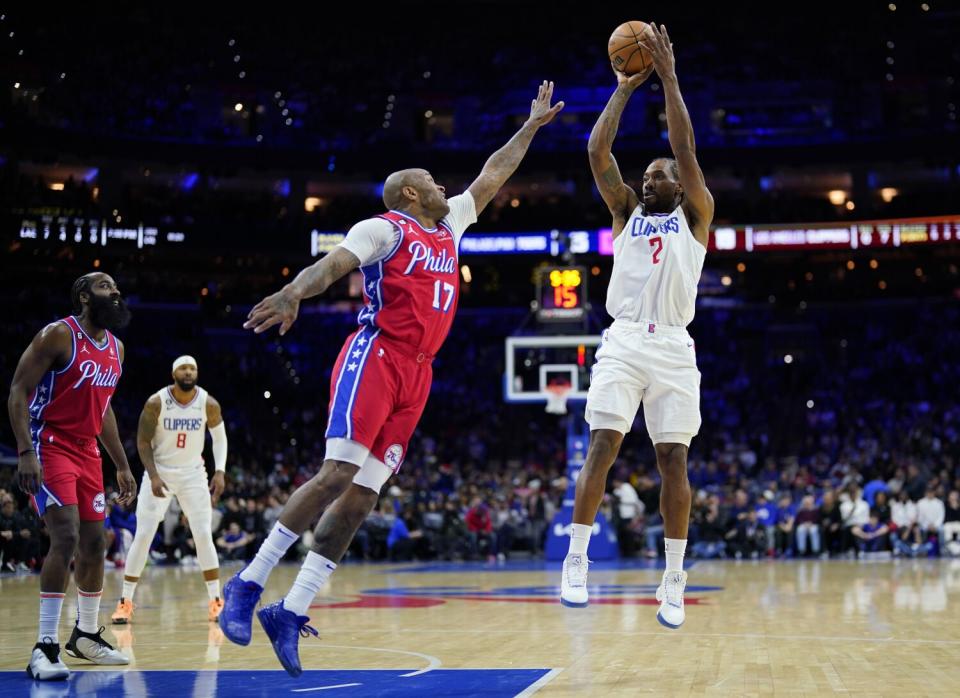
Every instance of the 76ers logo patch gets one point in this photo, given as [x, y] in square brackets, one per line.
[99, 503]
[393, 456]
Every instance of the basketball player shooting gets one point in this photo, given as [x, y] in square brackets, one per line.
[381, 380]
[59, 408]
[647, 355]
[170, 442]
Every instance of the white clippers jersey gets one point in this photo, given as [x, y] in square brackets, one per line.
[178, 442]
[656, 269]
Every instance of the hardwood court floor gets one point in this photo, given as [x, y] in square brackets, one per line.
[753, 628]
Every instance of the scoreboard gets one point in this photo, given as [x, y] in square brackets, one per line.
[561, 294]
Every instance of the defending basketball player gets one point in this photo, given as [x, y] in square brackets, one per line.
[382, 377]
[647, 355]
[170, 442]
[59, 406]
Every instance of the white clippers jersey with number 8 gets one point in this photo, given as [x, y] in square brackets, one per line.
[656, 269]
[178, 442]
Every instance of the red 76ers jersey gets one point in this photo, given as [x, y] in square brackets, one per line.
[74, 399]
[412, 293]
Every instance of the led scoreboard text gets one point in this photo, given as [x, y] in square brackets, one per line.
[561, 294]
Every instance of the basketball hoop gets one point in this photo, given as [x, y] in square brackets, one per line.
[557, 398]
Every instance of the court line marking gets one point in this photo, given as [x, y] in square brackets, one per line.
[539, 683]
[325, 688]
[640, 633]
[657, 633]
[432, 662]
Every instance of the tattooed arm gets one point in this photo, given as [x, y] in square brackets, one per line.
[281, 308]
[698, 203]
[618, 197]
[505, 161]
[146, 429]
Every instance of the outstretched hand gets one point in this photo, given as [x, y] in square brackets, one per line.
[632, 81]
[657, 43]
[541, 112]
[280, 308]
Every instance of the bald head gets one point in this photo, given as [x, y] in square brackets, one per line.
[393, 196]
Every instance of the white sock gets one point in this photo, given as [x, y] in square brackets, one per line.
[314, 574]
[128, 589]
[579, 538]
[273, 548]
[213, 589]
[88, 608]
[50, 606]
[675, 548]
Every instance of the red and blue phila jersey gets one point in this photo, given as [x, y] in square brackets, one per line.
[412, 293]
[73, 400]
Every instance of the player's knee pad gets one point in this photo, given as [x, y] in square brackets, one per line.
[373, 474]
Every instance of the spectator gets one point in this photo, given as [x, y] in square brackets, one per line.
[785, 526]
[19, 542]
[930, 515]
[629, 515]
[831, 521]
[748, 538]
[903, 515]
[711, 527]
[950, 540]
[872, 536]
[854, 512]
[807, 523]
[480, 528]
[233, 542]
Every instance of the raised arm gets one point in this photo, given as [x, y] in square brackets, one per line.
[505, 161]
[281, 308]
[697, 200]
[618, 197]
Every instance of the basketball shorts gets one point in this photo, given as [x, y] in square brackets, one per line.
[188, 485]
[72, 474]
[649, 363]
[378, 390]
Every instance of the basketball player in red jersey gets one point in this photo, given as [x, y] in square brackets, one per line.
[59, 406]
[381, 380]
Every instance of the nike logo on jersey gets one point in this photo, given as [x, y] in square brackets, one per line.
[654, 226]
[421, 254]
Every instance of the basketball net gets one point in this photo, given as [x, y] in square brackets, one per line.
[557, 398]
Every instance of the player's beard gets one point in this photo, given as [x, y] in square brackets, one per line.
[104, 313]
[186, 385]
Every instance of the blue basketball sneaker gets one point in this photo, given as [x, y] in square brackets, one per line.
[284, 629]
[239, 600]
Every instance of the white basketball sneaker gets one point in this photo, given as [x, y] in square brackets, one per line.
[573, 586]
[45, 664]
[93, 648]
[670, 596]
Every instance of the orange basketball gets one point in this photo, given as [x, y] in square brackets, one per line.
[626, 54]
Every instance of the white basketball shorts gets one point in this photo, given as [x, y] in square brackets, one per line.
[649, 363]
[189, 486]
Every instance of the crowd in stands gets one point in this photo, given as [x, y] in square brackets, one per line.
[851, 445]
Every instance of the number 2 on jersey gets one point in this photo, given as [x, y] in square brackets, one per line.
[657, 243]
[182, 439]
[448, 290]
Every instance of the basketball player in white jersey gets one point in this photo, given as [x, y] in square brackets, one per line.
[660, 240]
[170, 442]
